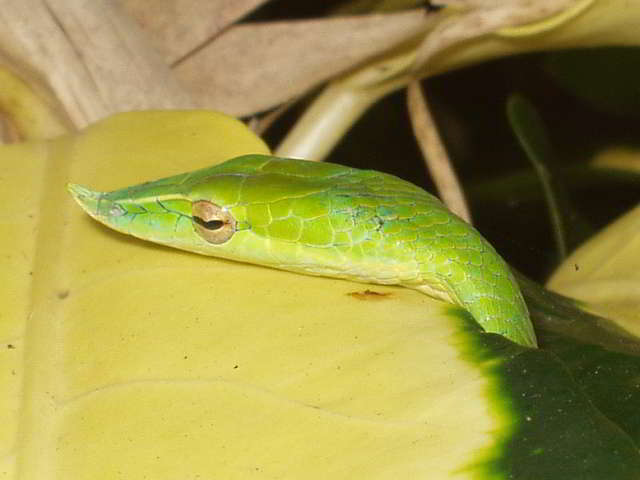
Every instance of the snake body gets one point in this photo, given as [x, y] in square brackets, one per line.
[322, 219]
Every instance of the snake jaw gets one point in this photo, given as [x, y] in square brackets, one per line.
[95, 203]
[87, 199]
[148, 217]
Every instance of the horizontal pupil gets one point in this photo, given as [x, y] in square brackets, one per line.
[209, 225]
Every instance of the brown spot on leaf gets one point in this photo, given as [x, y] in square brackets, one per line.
[62, 294]
[368, 295]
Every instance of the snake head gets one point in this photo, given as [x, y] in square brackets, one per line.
[230, 210]
[190, 215]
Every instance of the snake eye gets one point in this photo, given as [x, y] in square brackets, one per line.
[209, 225]
[214, 224]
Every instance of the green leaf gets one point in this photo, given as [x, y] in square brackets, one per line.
[528, 127]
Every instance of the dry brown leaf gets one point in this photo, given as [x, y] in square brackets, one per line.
[462, 38]
[480, 17]
[250, 68]
[94, 58]
[176, 27]
[588, 23]
[355, 7]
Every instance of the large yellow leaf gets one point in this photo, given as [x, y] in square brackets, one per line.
[123, 359]
[605, 272]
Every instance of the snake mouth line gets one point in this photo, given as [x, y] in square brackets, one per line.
[86, 198]
[79, 192]
[91, 202]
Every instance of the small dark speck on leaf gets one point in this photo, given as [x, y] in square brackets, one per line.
[10, 346]
[576, 266]
[185, 357]
[62, 294]
[432, 7]
[235, 366]
[368, 295]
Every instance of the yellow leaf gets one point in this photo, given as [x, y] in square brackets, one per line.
[605, 272]
[129, 360]
[624, 159]
[33, 113]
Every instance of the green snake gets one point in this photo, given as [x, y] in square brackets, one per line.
[322, 219]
